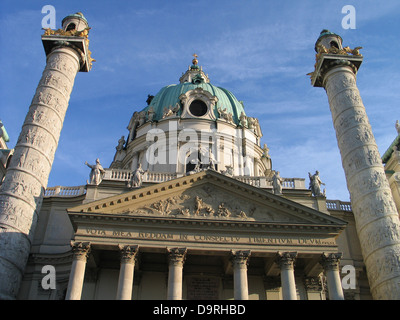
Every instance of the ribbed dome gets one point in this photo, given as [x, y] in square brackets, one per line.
[169, 97]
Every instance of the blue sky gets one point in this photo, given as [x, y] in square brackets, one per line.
[259, 50]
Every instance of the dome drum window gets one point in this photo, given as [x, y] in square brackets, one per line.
[198, 108]
[198, 103]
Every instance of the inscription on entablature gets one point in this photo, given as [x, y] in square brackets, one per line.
[206, 237]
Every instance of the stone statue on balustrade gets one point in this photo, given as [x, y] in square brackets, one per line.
[315, 184]
[136, 180]
[277, 183]
[210, 160]
[96, 174]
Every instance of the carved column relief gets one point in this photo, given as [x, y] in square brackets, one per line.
[377, 220]
[26, 179]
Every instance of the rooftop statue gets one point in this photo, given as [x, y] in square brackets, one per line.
[315, 184]
[96, 174]
[137, 177]
[277, 183]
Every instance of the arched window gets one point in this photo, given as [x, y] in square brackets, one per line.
[334, 44]
[71, 26]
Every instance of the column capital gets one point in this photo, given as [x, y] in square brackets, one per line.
[128, 253]
[286, 260]
[240, 258]
[330, 261]
[177, 256]
[80, 250]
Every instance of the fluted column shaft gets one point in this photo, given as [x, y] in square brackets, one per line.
[22, 191]
[285, 261]
[77, 274]
[240, 284]
[125, 281]
[377, 220]
[176, 258]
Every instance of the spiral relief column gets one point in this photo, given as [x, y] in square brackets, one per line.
[22, 191]
[376, 217]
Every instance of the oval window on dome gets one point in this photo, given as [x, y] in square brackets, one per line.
[198, 108]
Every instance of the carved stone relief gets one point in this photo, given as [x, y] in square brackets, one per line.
[205, 202]
[31, 161]
[383, 266]
[344, 100]
[40, 139]
[340, 81]
[355, 137]
[366, 181]
[362, 158]
[42, 117]
[375, 239]
[350, 118]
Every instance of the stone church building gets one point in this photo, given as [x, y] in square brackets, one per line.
[192, 208]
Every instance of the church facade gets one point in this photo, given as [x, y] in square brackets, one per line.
[191, 208]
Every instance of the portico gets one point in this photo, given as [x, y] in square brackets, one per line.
[186, 244]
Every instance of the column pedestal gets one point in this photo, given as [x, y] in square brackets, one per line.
[125, 281]
[176, 258]
[75, 284]
[286, 260]
[240, 285]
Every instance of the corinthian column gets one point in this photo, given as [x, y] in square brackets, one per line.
[176, 257]
[330, 263]
[76, 277]
[286, 260]
[22, 191]
[240, 284]
[125, 282]
[376, 217]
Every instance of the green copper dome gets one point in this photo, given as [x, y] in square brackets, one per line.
[169, 97]
[324, 33]
[78, 15]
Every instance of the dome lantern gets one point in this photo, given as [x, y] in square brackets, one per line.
[75, 21]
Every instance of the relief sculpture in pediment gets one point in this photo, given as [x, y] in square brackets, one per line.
[209, 203]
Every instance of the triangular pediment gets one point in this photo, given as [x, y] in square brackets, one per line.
[210, 196]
